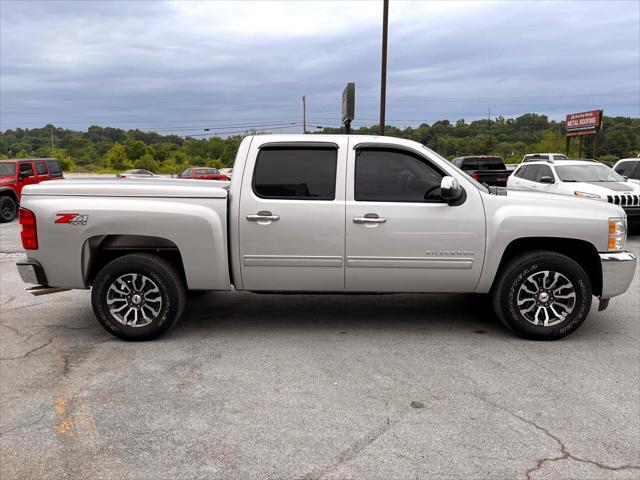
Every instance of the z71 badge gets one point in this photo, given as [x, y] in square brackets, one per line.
[72, 218]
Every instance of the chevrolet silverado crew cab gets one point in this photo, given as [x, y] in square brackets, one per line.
[330, 214]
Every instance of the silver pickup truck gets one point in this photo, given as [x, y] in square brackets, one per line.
[332, 214]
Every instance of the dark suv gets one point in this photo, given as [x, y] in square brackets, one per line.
[16, 173]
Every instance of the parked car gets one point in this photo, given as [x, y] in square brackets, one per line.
[227, 171]
[136, 173]
[485, 169]
[580, 178]
[629, 168]
[16, 174]
[332, 213]
[204, 173]
[511, 166]
[533, 157]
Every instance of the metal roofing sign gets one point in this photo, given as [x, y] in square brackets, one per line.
[584, 123]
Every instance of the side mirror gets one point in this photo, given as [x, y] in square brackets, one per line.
[547, 179]
[450, 190]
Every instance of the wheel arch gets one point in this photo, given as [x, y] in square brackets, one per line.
[9, 192]
[99, 250]
[582, 252]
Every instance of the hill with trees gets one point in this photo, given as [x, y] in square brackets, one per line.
[107, 149]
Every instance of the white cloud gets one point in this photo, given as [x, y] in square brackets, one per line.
[150, 63]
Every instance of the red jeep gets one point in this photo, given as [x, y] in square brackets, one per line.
[204, 173]
[18, 172]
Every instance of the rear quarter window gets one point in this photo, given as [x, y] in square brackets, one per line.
[54, 169]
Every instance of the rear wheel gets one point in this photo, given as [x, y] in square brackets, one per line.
[138, 297]
[8, 209]
[542, 295]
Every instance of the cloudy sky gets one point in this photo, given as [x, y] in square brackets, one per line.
[183, 66]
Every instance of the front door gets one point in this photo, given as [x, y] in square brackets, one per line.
[292, 216]
[401, 237]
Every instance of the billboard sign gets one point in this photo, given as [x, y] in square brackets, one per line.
[348, 102]
[584, 123]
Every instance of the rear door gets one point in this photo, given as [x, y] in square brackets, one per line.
[292, 216]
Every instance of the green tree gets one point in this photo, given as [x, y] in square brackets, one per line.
[117, 159]
[147, 162]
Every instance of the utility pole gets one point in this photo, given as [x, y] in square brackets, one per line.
[304, 114]
[383, 73]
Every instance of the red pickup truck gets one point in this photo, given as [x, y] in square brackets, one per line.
[204, 173]
[16, 173]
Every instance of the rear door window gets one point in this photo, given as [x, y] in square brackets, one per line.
[26, 169]
[41, 168]
[302, 173]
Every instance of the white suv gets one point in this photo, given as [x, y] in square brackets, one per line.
[580, 178]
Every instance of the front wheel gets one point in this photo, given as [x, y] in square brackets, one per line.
[138, 297]
[542, 295]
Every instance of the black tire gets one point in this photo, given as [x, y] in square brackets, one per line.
[8, 209]
[159, 273]
[531, 267]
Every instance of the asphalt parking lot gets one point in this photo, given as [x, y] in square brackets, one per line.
[310, 387]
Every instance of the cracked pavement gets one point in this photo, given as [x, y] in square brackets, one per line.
[314, 387]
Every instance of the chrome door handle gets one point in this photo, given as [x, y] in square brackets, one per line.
[369, 219]
[264, 215]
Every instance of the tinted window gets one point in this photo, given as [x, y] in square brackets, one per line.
[559, 157]
[490, 163]
[626, 168]
[531, 172]
[395, 176]
[207, 171]
[296, 173]
[41, 168]
[26, 168]
[186, 173]
[7, 168]
[520, 172]
[54, 168]
[469, 164]
[543, 171]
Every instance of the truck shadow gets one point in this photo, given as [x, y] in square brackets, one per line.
[415, 312]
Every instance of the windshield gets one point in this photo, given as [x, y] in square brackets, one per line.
[587, 173]
[7, 168]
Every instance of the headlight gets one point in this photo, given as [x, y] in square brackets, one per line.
[587, 195]
[617, 233]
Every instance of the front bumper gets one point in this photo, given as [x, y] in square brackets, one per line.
[618, 270]
[31, 272]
